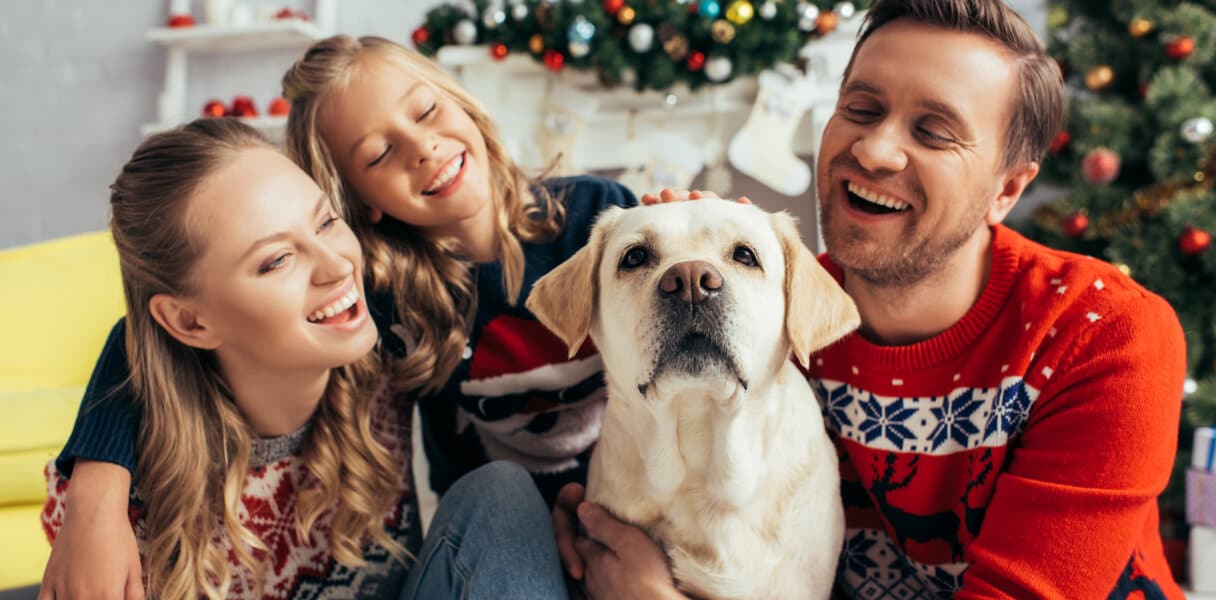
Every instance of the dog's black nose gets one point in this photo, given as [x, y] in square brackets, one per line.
[692, 281]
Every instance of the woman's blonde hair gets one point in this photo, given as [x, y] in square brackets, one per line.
[194, 443]
[431, 287]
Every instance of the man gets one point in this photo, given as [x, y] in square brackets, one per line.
[1007, 414]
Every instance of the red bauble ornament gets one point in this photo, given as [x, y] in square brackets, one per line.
[1074, 225]
[613, 6]
[214, 108]
[1060, 142]
[1180, 47]
[554, 60]
[498, 50]
[279, 107]
[181, 20]
[420, 36]
[242, 106]
[1194, 241]
[696, 60]
[1100, 166]
[285, 13]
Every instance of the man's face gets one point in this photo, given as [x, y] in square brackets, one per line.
[910, 162]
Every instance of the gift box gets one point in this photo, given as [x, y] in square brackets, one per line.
[1203, 450]
[1201, 498]
[1203, 559]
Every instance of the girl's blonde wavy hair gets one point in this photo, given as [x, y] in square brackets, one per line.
[432, 288]
[194, 443]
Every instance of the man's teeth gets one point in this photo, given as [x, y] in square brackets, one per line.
[338, 306]
[877, 198]
[445, 177]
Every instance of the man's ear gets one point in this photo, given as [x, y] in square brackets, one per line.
[181, 320]
[564, 300]
[817, 310]
[1013, 184]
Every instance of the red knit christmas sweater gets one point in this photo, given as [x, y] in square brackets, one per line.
[297, 568]
[1018, 454]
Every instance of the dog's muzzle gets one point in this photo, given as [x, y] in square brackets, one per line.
[693, 321]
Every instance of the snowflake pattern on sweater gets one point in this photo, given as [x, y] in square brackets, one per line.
[1062, 383]
[297, 568]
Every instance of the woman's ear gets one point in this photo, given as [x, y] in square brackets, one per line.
[181, 320]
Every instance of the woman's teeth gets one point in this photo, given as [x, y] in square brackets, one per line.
[877, 198]
[446, 176]
[337, 307]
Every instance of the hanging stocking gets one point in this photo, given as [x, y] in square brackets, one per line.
[763, 147]
[566, 111]
[717, 173]
[671, 162]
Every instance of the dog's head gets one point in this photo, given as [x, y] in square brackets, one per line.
[701, 293]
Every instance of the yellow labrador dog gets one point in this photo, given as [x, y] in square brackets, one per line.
[712, 440]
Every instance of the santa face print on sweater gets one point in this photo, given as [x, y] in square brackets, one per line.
[526, 401]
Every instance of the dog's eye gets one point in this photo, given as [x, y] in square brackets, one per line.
[634, 258]
[745, 256]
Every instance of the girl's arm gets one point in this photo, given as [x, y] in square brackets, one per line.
[93, 552]
[107, 426]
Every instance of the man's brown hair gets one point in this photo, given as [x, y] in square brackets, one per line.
[1039, 105]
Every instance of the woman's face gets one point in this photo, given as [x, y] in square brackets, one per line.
[407, 149]
[279, 281]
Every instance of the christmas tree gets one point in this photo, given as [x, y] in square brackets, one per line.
[649, 44]
[1137, 166]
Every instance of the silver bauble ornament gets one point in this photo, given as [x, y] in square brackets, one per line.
[465, 32]
[844, 10]
[1197, 130]
[718, 69]
[641, 37]
[768, 10]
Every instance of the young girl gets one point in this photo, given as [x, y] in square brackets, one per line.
[454, 237]
[271, 462]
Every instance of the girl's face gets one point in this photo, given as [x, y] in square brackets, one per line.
[408, 149]
[280, 277]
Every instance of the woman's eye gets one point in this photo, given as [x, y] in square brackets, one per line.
[380, 158]
[634, 258]
[328, 223]
[745, 256]
[273, 264]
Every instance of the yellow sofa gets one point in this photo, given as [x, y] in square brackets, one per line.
[60, 300]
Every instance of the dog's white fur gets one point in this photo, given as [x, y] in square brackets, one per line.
[730, 469]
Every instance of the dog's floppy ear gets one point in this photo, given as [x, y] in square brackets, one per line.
[564, 300]
[817, 310]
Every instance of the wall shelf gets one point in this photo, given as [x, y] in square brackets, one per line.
[285, 33]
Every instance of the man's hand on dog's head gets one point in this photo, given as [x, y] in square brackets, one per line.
[669, 195]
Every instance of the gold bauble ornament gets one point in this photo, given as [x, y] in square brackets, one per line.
[1139, 27]
[722, 31]
[676, 47]
[740, 12]
[536, 44]
[1099, 77]
[1123, 268]
[626, 15]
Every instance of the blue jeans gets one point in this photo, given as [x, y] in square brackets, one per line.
[492, 537]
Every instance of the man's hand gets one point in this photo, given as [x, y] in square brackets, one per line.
[668, 195]
[565, 526]
[620, 560]
[95, 554]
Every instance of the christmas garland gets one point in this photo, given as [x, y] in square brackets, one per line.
[650, 44]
